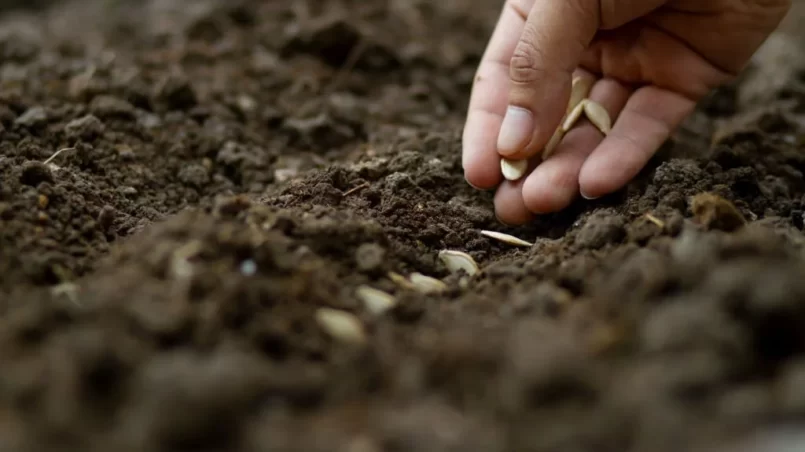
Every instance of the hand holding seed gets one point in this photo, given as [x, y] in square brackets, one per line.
[573, 97]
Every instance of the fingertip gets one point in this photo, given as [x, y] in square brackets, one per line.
[480, 161]
[509, 207]
[482, 182]
[549, 191]
[601, 175]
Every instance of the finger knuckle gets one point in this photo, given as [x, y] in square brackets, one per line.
[526, 62]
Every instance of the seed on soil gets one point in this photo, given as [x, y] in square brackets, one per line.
[457, 260]
[400, 280]
[376, 301]
[513, 169]
[598, 115]
[427, 284]
[655, 220]
[341, 325]
[573, 117]
[506, 238]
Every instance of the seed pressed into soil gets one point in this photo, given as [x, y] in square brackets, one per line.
[244, 226]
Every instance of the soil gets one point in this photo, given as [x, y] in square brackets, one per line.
[183, 185]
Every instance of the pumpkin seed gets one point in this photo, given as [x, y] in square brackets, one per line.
[376, 301]
[506, 238]
[341, 325]
[582, 85]
[513, 169]
[598, 115]
[400, 280]
[574, 115]
[457, 260]
[427, 284]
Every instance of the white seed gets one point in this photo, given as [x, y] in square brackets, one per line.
[582, 85]
[181, 267]
[553, 143]
[506, 238]
[598, 115]
[457, 260]
[400, 280]
[376, 301]
[513, 169]
[427, 284]
[341, 325]
[574, 116]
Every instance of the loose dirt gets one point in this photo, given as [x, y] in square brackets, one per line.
[184, 184]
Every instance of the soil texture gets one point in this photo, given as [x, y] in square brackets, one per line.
[192, 194]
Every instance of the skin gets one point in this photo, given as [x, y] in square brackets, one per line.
[652, 60]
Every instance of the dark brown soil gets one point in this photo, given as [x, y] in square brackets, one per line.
[183, 185]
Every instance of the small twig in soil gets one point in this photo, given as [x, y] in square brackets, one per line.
[56, 154]
[356, 189]
[655, 220]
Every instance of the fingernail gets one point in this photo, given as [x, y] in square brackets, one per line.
[503, 222]
[516, 130]
[474, 186]
[589, 198]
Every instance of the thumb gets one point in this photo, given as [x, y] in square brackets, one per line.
[555, 36]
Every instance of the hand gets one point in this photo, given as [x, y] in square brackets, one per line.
[653, 60]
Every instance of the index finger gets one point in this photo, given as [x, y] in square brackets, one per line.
[489, 98]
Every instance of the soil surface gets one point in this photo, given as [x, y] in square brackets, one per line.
[187, 188]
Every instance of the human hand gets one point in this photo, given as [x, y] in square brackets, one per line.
[652, 59]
